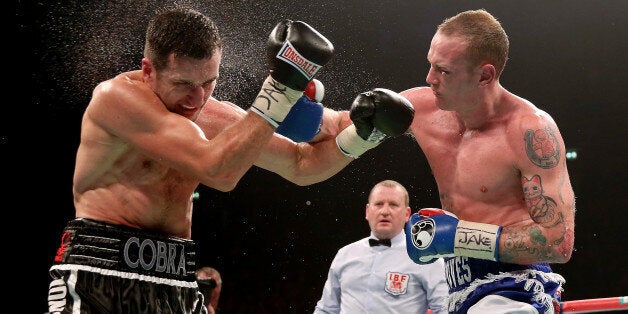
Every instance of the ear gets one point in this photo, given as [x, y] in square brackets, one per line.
[488, 74]
[147, 69]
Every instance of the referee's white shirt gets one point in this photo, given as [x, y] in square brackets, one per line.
[381, 279]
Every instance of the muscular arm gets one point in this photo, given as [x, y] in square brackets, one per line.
[548, 236]
[300, 163]
[129, 110]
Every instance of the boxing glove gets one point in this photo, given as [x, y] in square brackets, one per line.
[296, 52]
[304, 120]
[433, 233]
[376, 115]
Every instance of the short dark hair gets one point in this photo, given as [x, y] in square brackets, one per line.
[182, 31]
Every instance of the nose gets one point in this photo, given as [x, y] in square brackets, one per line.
[430, 79]
[385, 210]
[197, 96]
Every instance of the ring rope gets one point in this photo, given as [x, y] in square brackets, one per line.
[590, 305]
[594, 305]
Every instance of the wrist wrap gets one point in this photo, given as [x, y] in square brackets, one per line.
[352, 145]
[478, 240]
[274, 101]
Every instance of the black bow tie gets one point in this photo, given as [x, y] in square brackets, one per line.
[375, 242]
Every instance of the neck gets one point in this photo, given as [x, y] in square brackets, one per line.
[483, 110]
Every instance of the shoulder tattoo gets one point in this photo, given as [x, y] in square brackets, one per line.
[542, 147]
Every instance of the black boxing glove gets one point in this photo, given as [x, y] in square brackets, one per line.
[376, 115]
[296, 52]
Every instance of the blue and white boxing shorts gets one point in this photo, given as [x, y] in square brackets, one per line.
[481, 286]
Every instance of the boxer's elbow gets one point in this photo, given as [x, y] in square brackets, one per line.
[301, 178]
[305, 175]
[222, 186]
[305, 181]
[226, 186]
[225, 181]
[564, 249]
[562, 255]
[560, 246]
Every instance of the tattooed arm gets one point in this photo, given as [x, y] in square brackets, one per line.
[549, 198]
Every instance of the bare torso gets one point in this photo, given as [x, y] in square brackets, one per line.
[117, 183]
[476, 170]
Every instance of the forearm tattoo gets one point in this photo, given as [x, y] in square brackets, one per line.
[531, 241]
[542, 210]
[542, 147]
[528, 241]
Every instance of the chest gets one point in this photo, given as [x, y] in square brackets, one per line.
[478, 165]
[149, 174]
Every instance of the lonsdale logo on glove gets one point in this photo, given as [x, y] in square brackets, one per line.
[291, 56]
[295, 52]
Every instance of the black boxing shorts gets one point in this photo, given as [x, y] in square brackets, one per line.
[106, 268]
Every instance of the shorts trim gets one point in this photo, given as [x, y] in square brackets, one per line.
[533, 281]
[125, 275]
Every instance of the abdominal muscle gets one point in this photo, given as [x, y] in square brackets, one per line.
[478, 187]
[132, 190]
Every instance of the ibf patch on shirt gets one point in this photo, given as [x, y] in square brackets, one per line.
[396, 283]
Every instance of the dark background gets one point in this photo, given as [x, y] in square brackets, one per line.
[274, 241]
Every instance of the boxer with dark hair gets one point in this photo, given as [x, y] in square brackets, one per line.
[142, 156]
[149, 137]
